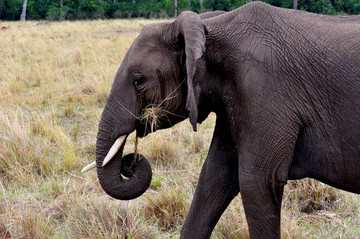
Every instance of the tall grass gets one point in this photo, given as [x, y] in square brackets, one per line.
[54, 81]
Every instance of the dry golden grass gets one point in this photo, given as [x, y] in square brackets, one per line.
[54, 81]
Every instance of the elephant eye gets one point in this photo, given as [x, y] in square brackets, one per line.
[138, 79]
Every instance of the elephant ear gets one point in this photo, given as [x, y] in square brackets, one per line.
[193, 31]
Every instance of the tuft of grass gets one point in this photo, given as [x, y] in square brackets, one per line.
[35, 225]
[163, 152]
[4, 232]
[168, 208]
[102, 219]
[18, 155]
[156, 183]
[198, 143]
[290, 225]
[311, 195]
[232, 224]
[69, 110]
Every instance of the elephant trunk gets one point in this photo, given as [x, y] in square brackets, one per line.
[123, 178]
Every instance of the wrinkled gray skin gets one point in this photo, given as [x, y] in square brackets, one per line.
[285, 87]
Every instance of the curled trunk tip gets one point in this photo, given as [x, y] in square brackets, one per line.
[137, 171]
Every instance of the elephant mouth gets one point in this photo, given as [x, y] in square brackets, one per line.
[115, 148]
[141, 131]
[145, 127]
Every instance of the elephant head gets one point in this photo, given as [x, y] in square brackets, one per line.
[156, 75]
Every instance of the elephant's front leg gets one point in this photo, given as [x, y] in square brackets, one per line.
[217, 186]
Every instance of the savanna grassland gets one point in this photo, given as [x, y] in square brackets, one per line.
[54, 81]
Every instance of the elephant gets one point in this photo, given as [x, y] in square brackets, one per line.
[285, 88]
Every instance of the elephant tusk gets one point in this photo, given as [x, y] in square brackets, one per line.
[89, 167]
[114, 149]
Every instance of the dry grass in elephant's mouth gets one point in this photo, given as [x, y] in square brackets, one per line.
[151, 116]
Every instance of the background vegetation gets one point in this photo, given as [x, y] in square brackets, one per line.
[54, 81]
[109, 9]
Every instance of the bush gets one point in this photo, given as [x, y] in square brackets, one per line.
[12, 10]
[93, 9]
[57, 13]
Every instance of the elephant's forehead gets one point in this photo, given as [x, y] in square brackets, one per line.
[153, 35]
[145, 43]
[146, 56]
[146, 51]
